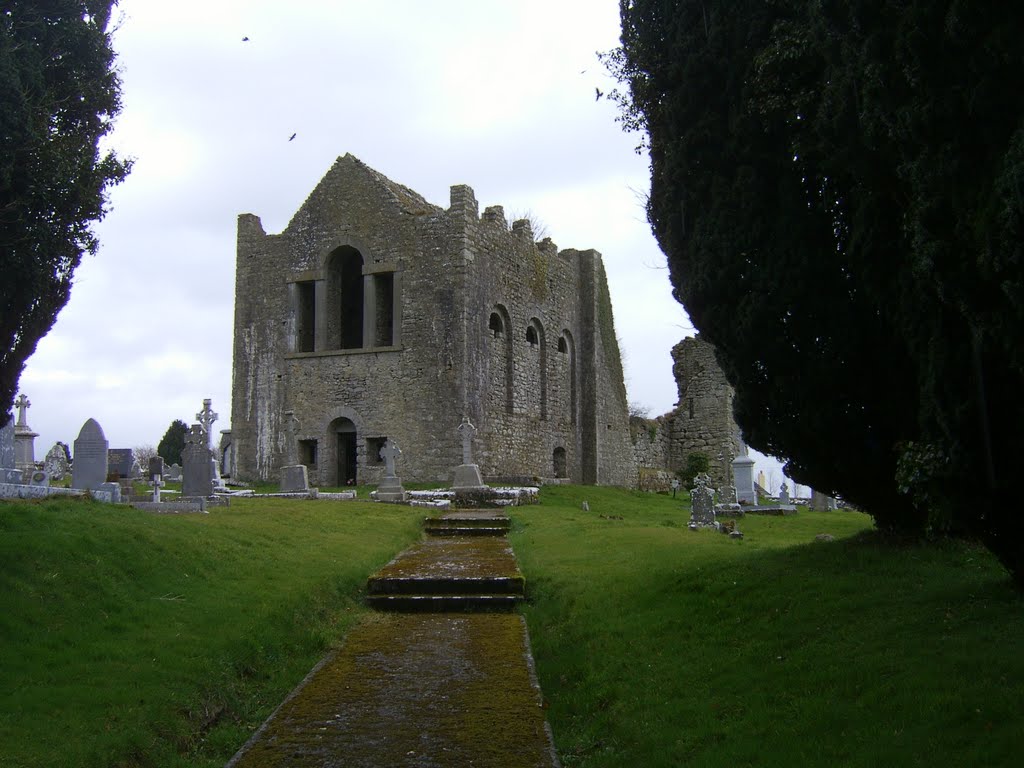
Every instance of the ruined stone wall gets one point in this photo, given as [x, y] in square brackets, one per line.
[487, 324]
[701, 422]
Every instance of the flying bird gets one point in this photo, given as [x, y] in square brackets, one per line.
[599, 94]
[245, 39]
[292, 137]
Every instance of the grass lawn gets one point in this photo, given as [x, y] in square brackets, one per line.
[134, 640]
[131, 639]
[661, 646]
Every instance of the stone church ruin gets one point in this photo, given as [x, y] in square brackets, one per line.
[378, 315]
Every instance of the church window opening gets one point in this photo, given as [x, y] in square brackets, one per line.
[307, 453]
[306, 316]
[562, 346]
[531, 335]
[384, 302]
[345, 295]
[496, 326]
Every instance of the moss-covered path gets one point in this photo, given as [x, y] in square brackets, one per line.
[424, 689]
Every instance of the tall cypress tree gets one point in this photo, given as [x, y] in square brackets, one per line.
[58, 95]
[838, 188]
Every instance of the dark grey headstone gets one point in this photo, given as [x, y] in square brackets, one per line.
[156, 467]
[120, 460]
[197, 469]
[89, 470]
[8, 472]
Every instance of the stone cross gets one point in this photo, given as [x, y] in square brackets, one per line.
[291, 426]
[206, 417]
[196, 435]
[22, 404]
[157, 484]
[466, 432]
[389, 453]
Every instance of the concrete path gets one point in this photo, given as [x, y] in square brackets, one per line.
[451, 684]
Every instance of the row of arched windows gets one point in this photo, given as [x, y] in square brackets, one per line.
[534, 368]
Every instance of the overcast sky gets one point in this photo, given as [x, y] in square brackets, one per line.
[497, 95]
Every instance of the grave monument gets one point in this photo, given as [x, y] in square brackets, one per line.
[703, 502]
[294, 476]
[89, 470]
[390, 488]
[24, 438]
[9, 473]
[197, 472]
[467, 475]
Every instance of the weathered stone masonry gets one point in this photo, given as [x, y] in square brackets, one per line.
[702, 421]
[376, 314]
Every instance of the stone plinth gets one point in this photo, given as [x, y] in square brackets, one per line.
[390, 489]
[467, 478]
[294, 479]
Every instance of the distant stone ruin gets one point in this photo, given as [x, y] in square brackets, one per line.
[702, 421]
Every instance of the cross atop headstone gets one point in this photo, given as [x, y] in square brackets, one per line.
[196, 435]
[389, 453]
[291, 426]
[466, 432]
[22, 404]
[206, 417]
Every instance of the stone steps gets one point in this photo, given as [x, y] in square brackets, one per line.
[465, 563]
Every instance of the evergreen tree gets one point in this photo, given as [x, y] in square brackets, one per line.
[58, 95]
[173, 442]
[838, 188]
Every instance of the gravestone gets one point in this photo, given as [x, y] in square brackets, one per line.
[821, 502]
[9, 473]
[467, 475]
[784, 494]
[196, 474]
[39, 478]
[206, 417]
[119, 462]
[390, 488]
[89, 470]
[173, 473]
[743, 477]
[703, 501]
[24, 438]
[56, 462]
[728, 505]
[136, 473]
[156, 484]
[294, 476]
[156, 467]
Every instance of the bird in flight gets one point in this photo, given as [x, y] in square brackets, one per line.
[599, 94]
[292, 137]
[245, 39]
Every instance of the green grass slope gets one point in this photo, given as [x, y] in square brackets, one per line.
[131, 639]
[661, 646]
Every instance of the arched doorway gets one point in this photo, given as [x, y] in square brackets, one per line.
[558, 461]
[346, 455]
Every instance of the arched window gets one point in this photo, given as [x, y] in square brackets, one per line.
[501, 356]
[345, 298]
[538, 372]
[568, 372]
[496, 326]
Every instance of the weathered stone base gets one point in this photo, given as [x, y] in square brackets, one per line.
[390, 490]
[171, 507]
[294, 479]
[18, 491]
[771, 509]
[467, 478]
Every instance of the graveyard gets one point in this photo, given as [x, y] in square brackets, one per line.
[168, 639]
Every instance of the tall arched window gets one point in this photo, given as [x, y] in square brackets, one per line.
[501, 375]
[537, 366]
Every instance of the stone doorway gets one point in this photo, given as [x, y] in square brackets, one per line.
[346, 453]
[558, 462]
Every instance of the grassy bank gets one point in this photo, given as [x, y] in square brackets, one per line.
[660, 646]
[129, 639]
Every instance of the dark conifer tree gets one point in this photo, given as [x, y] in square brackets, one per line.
[173, 442]
[839, 188]
[58, 95]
